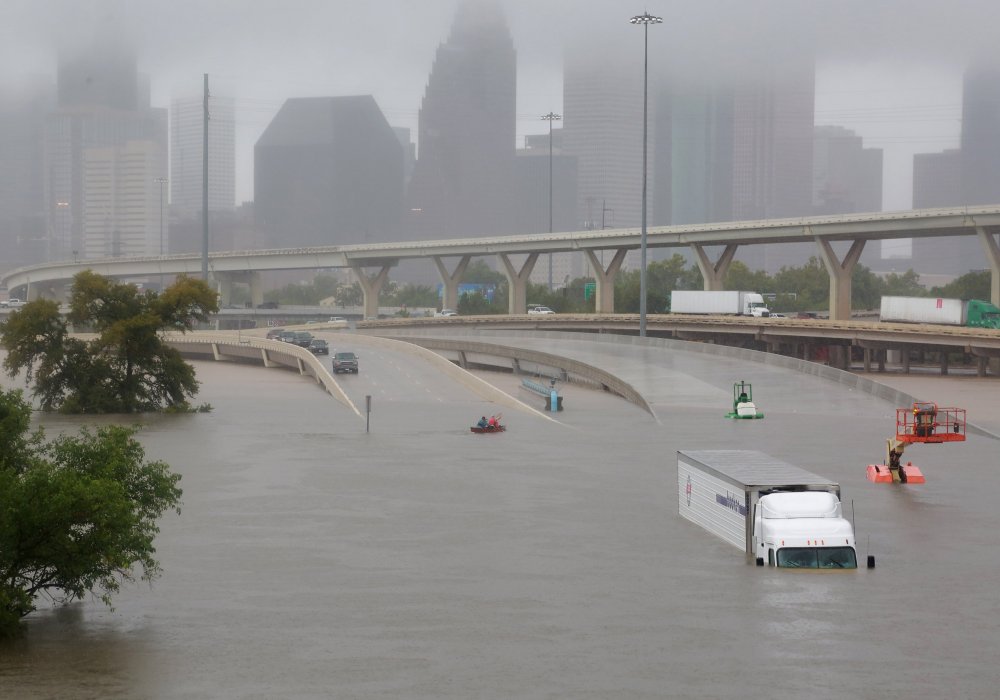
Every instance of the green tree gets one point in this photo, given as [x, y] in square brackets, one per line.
[478, 272]
[740, 278]
[127, 367]
[810, 284]
[972, 285]
[79, 513]
[904, 285]
[350, 295]
[866, 288]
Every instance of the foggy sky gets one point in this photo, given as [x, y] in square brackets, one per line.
[889, 69]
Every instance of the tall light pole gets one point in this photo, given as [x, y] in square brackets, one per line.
[161, 181]
[550, 117]
[645, 20]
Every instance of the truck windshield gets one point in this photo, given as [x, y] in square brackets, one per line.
[817, 558]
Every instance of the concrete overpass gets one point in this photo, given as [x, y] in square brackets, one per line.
[840, 241]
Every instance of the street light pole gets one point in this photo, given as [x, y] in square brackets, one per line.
[161, 181]
[550, 117]
[645, 20]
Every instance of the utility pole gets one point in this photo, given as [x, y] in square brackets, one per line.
[204, 188]
[550, 117]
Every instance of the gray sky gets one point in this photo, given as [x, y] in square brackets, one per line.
[889, 69]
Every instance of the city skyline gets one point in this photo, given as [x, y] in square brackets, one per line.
[874, 74]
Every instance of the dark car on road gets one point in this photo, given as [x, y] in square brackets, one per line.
[318, 346]
[303, 338]
[275, 333]
[345, 362]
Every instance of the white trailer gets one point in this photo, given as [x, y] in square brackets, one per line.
[949, 312]
[775, 512]
[687, 301]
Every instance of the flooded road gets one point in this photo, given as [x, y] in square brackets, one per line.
[313, 560]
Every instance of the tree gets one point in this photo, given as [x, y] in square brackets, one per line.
[79, 513]
[128, 367]
[972, 285]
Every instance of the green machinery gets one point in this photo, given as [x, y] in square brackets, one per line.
[743, 405]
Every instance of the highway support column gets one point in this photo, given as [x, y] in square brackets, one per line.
[840, 276]
[371, 286]
[517, 282]
[604, 297]
[714, 274]
[992, 248]
[451, 280]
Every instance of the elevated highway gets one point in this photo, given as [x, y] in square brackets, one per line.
[840, 241]
[827, 340]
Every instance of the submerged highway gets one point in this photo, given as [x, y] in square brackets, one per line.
[315, 559]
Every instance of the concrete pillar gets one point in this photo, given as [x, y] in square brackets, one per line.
[604, 301]
[714, 274]
[981, 363]
[992, 249]
[517, 281]
[881, 360]
[256, 289]
[370, 287]
[30, 292]
[944, 362]
[906, 360]
[451, 280]
[868, 359]
[224, 287]
[840, 276]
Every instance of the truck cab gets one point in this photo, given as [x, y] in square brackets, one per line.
[803, 530]
[754, 305]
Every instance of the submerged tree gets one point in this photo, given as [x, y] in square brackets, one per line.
[79, 513]
[127, 367]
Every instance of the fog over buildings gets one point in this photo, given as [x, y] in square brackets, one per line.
[757, 110]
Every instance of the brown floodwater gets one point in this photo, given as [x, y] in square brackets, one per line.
[312, 559]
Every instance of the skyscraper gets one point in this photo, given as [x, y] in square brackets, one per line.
[186, 163]
[328, 171]
[462, 182]
[22, 206]
[602, 129]
[847, 177]
[981, 135]
[102, 104]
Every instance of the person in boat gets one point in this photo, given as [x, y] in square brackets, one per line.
[483, 423]
[494, 423]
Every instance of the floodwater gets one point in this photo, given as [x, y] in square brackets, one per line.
[315, 560]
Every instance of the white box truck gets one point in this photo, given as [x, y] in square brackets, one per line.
[949, 312]
[686, 301]
[777, 513]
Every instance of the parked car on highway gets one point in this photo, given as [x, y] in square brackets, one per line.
[345, 362]
[303, 338]
[318, 346]
[268, 305]
[287, 337]
[540, 310]
[12, 303]
[337, 322]
[275, 333]
[446, 312]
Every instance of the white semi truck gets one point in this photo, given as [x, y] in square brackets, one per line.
[777, 513]
[949, 312]
[687, 301]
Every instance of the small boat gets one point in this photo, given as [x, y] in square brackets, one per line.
[488, 429]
